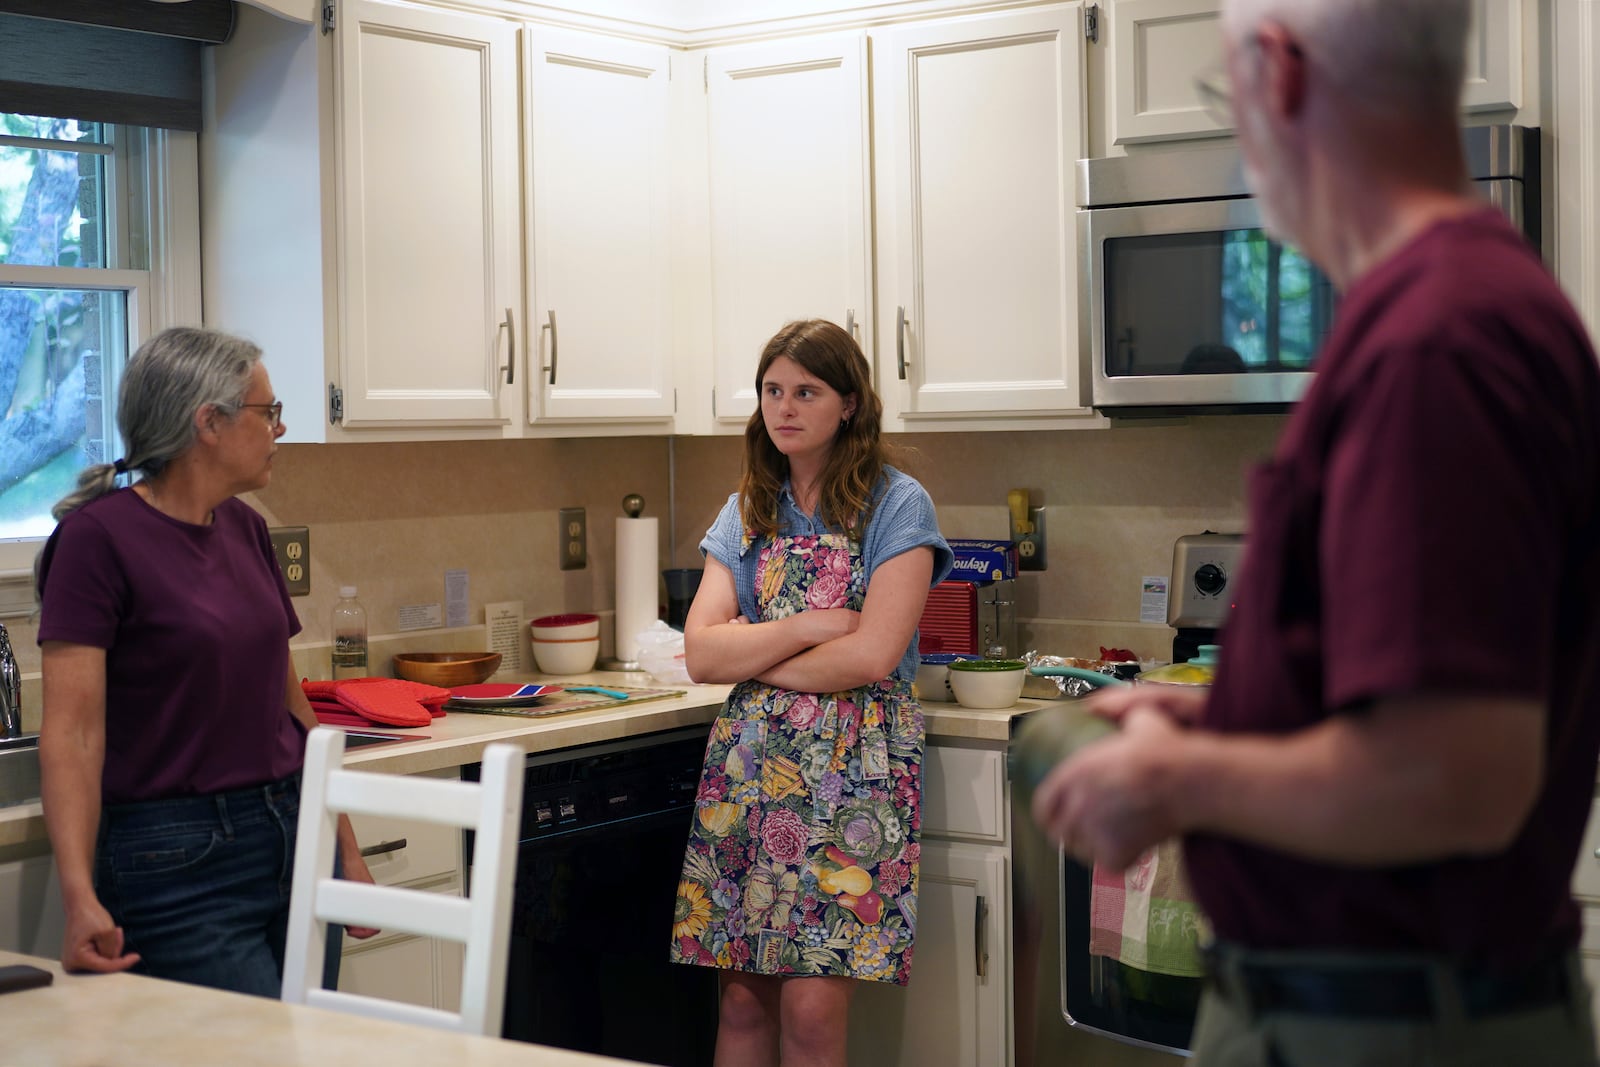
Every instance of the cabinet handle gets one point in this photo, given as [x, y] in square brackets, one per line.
[980, 947]
[551, 326]
[383, 846]
[900, 339]
[510, 327]
[850, 321]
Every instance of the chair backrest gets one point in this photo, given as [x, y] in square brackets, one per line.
[481, 922]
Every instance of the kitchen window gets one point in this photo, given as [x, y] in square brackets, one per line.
[98, 247]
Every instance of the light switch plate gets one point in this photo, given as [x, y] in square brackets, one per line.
[292, 544]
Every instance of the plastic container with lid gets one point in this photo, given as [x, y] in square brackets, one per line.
[1200, 670]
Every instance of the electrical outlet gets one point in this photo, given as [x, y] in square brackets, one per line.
[1030, 546]
[292, 544]
[574, 539]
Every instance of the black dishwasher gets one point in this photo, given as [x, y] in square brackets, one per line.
[601, 848]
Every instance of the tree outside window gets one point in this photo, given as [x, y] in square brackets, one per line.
[65, 247]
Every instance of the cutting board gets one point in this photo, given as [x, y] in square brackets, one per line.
[563, 702]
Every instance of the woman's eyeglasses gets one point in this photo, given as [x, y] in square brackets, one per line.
[274, 412]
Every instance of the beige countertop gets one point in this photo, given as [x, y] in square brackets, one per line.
[460, 737]
[126, 1020]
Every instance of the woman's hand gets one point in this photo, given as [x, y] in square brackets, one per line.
[353, 869]
[93, 942]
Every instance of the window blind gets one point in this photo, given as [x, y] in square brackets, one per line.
[132, 62]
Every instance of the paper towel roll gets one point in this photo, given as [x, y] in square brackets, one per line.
[637, 575]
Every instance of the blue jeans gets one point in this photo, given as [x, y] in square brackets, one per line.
[200, 885]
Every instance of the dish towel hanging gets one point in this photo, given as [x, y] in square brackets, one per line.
[1146, 917]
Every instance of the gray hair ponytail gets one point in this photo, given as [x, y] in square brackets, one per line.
[168, 379]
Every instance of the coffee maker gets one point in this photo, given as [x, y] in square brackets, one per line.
[1201, 594]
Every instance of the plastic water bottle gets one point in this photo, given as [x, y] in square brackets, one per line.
[349, 636]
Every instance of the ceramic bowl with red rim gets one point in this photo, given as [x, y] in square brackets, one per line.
[578, 626]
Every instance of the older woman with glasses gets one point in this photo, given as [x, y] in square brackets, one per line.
[173, 726]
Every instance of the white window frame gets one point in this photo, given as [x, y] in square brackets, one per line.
[168, 294]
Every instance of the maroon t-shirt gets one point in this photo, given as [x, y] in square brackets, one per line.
[1430, 522]
[196, 623]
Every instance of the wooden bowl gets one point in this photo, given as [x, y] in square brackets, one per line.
[446, 668]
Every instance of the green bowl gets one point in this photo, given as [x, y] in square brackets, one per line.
[987, 665]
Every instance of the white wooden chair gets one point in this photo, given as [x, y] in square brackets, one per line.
[481, 922]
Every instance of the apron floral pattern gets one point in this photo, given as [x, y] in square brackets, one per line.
[803, 854]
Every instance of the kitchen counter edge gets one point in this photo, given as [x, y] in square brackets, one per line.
[459, 738]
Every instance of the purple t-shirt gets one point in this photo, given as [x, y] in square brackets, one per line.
[1430, 522]
[196, 623]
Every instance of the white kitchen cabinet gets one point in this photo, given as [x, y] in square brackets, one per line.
[31, 919]
[429, 231]
[601, 289]
[956, 1009]
[790, 211]
[1155, 50]
[360, 216]
[405, 967]
[980, 124]
[1494, 72]
[953, 1012]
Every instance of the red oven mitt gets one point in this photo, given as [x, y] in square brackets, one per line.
[389, 701]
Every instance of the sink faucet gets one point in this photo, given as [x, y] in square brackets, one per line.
[10, 689]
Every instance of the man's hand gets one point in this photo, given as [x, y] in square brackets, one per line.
[1108, 803]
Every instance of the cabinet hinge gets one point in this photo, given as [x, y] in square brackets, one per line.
[674, 401]
[713, 403]
[705, 73]
[335, 404]
[327, 16]
[1091, 23]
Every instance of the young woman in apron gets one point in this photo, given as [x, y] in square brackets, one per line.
[802, 862]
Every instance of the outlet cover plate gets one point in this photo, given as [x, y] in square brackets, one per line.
[1031, 546]
[293, 547]
[573, 539]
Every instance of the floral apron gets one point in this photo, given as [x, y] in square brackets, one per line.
[802, 857]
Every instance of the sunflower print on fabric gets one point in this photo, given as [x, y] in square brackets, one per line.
[803, 853]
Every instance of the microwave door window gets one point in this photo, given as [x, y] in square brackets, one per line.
[1210, 302]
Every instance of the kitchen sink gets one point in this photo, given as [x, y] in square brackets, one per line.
[19, 770]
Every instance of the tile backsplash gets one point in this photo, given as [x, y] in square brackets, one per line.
[391, 519]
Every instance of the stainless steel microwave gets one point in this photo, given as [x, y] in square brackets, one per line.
[1192, 309]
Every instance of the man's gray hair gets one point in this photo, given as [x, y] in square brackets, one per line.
[1402, 54]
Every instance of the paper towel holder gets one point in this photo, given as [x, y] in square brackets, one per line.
[633, 508]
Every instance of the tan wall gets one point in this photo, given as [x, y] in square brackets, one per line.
[392, 518]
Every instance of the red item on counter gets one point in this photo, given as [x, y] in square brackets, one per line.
[389, 701]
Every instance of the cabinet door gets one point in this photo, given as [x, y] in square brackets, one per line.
[1494, 57]
[953, 1012]
[413, 970]
[1157, 49]
[31, 919]
[789, 200]
[429, 229]
[600, 292]
[984, 127]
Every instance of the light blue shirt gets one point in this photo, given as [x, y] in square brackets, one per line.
[902, 519]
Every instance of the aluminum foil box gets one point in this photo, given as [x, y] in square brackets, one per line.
[983, 561]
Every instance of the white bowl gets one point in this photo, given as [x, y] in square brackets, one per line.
[569, 656]
[570, 627]
[987, 684]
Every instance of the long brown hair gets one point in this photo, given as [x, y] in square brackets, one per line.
[856, 460]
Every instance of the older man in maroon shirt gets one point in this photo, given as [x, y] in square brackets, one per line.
[1384, 795]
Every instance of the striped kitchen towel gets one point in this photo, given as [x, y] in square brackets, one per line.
[1146, 917]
